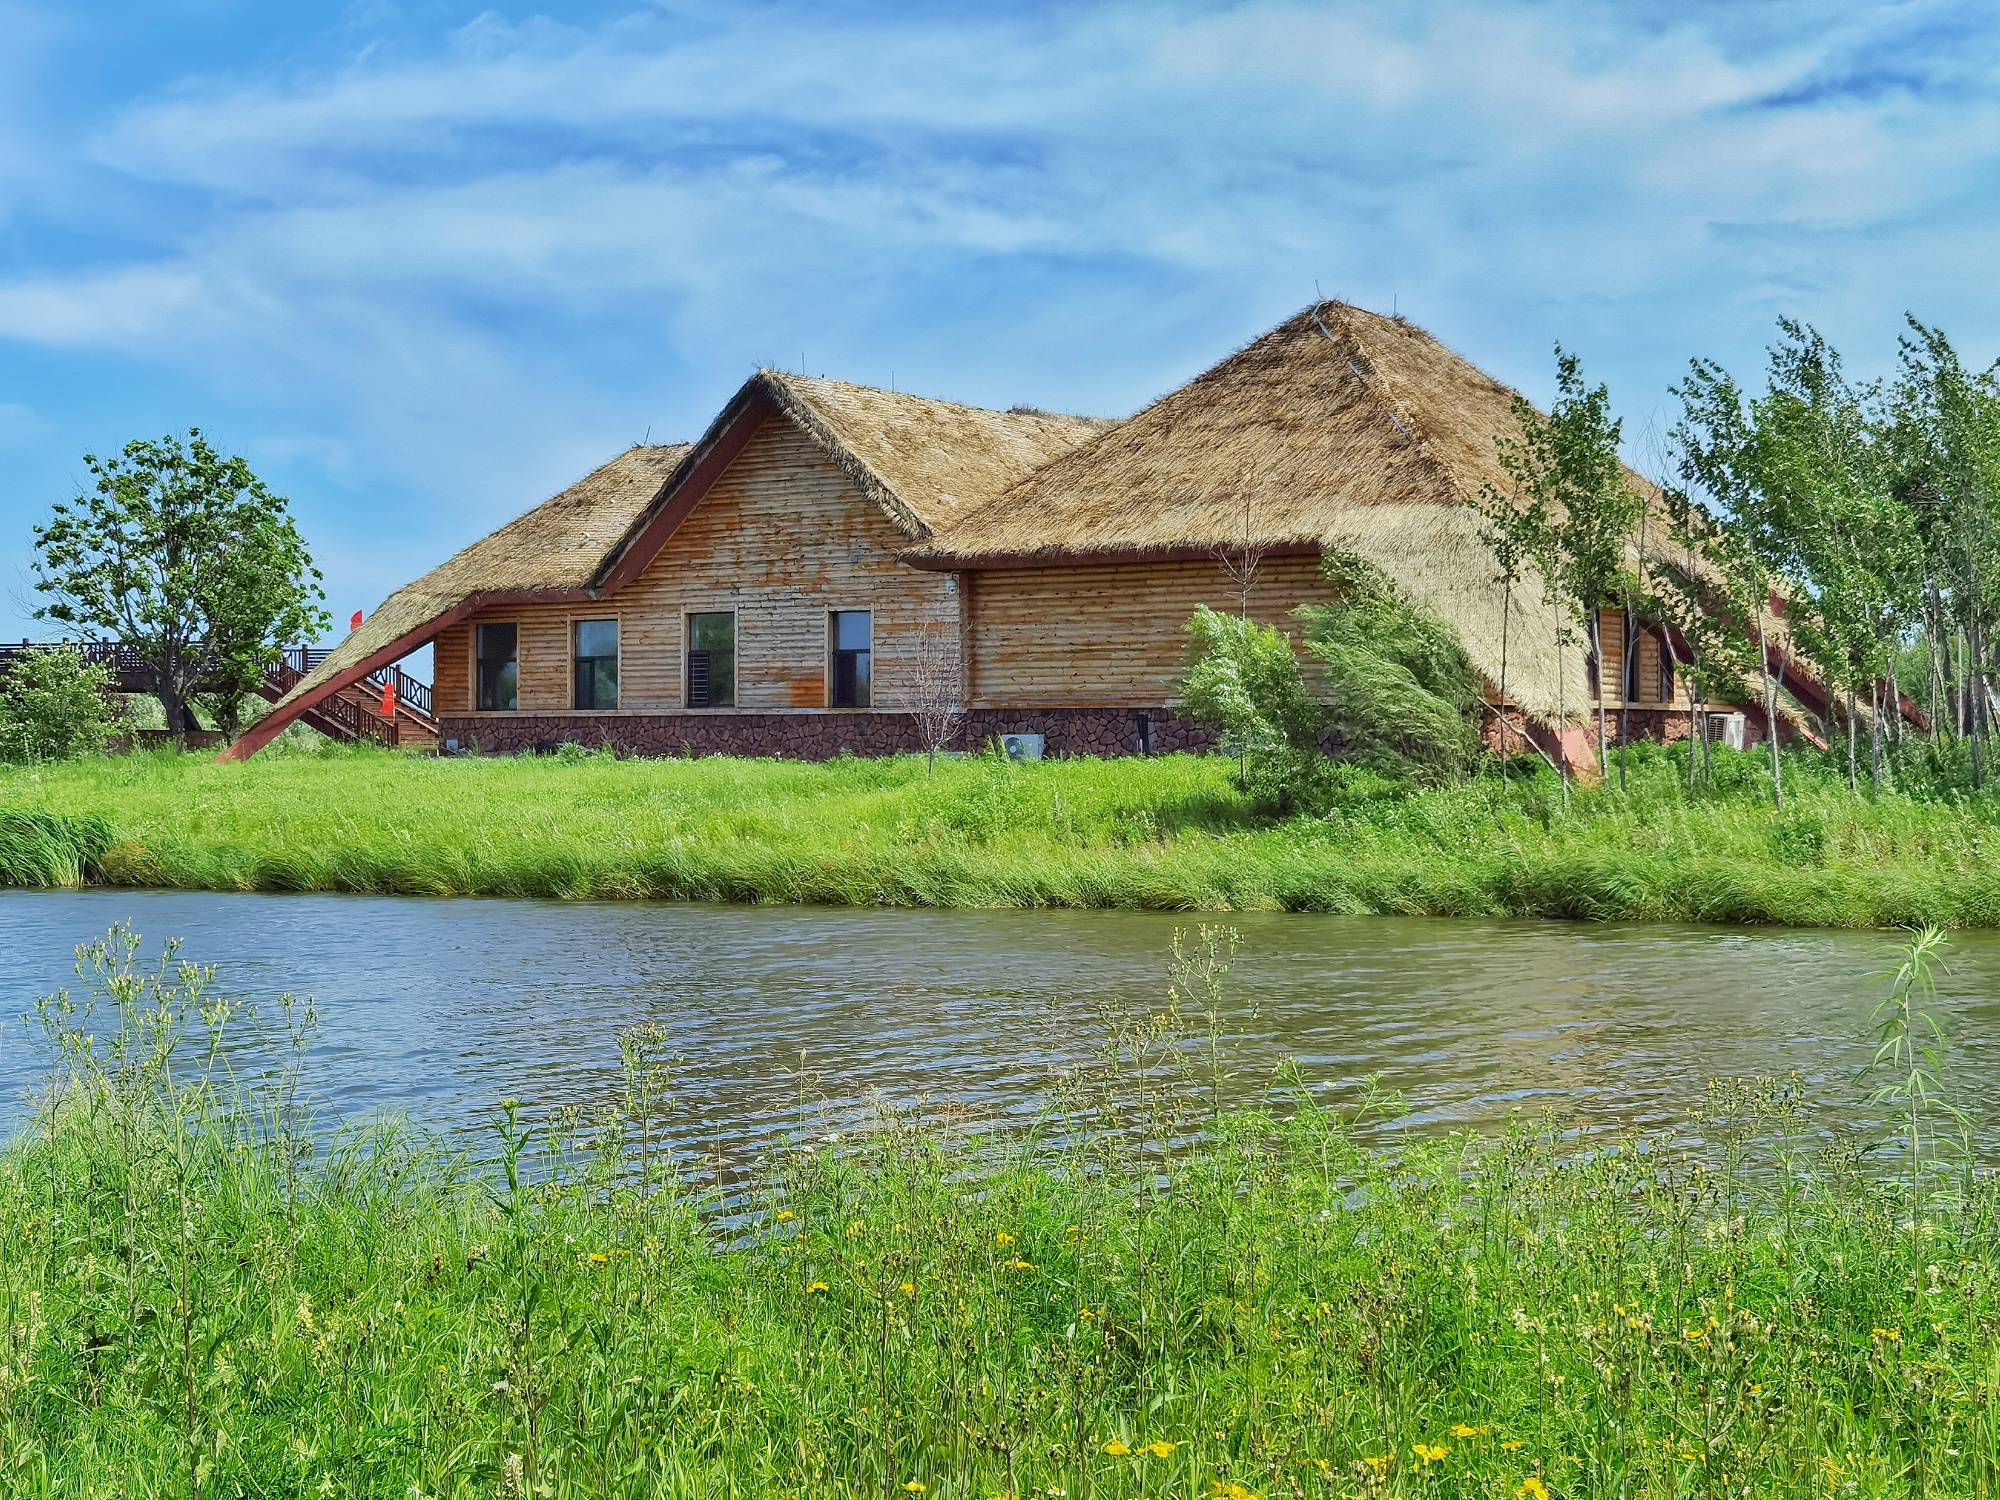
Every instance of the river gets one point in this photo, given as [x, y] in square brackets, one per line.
[438, 1009]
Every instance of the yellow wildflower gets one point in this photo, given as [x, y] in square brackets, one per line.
[817, 1286]
[1460, 1430]
[909, 1289]
[1230, 1491]
[916, 1486]
[1003, 1239]
[1084, 1312]
[1512, 1445]
[1894, 1335]
[1117, 1448]
[1160, 1449]
[1018, 1264]
[1432, 1453]
[785, 1216]
[1379, 1462]
[597, 1258]
[1534, 1489]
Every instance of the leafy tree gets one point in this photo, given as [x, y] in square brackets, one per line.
[1835, 530]
[1717, 443]
[1943, 440]
[1709, 594]
[1582, 508]
[1245, 682]
[53, 705]
[185, 555]
[1400, 689]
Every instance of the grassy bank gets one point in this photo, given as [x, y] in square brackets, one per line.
[1169, 833]
[204, 1297]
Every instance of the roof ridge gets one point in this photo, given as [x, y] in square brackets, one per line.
[800, 410]
[1380, 388]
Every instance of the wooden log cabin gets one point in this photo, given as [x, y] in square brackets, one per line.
[777, 586]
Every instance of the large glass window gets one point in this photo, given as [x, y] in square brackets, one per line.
[499, 668]
[850, 635]
[711, 661]
[596, 663]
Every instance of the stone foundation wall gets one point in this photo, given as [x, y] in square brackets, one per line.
[821, 736]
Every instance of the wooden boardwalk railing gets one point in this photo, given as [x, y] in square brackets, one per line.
[352, 714]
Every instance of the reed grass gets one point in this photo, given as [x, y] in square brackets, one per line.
[1171, 833]
[1179, 1283]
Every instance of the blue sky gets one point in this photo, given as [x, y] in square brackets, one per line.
[425, 263]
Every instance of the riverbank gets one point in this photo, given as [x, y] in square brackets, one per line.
[206, 1290]
[1164, 834]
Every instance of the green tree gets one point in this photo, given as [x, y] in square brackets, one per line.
[1401, 692]
[1943, 438]
[53, 705]
[1244, 682]
[184, 554]
[1583, 506]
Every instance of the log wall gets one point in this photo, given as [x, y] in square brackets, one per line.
[1111, 634]
[781, 539]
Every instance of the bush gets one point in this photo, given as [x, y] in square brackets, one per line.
[53, 706]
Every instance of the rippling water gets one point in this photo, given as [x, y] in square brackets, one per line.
[439, 1009]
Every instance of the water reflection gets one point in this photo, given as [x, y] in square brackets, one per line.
[441, 1008]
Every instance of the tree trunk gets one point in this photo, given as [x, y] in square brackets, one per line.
[1562, 719]
[1506, 609]
[1625, 691]
[1770, 710]
[1974, 690]
[1853, 783]
[1875, 729]
[1597, 653]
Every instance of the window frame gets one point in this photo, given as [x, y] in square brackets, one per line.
[688, 617]
[617, 658]
[834, 652]
[478, 661]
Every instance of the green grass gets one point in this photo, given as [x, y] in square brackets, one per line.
[202, 1297]
[1170, 833]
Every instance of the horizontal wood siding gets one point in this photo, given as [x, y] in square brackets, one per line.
[1650, 655]
[1109, 635]
[781, 539]
[451, 670]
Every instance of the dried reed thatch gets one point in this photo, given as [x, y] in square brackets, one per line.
[928, 463]
[553, 549]
[1338, 430]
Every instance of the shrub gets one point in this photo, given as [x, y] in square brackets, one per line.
[1245, 684]
[53, 706]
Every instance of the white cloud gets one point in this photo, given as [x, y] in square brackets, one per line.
[461, 271]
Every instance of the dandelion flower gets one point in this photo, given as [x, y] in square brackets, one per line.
[1461, 1431]
[915, 1486]
[1432, 1453]
[1084, 1312]
[597, 1258]
[1160, 1449]
[1018, 1264]
[1118, 1447]
[909, 1289]
[1003, 1239]
[1534, 1489]
[1512, 1445]
[1891, 1334]
[817, 1286]
[1379, 1463]
[785, 1216]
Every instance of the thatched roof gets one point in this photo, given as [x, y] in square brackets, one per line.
[928, 463]
[553, 549]
[1339, 430]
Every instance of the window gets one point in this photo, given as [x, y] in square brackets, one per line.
[1632, 655]
[1666, 677]
[849, 631]
[711, 657]
[596, 663]
[499, 668]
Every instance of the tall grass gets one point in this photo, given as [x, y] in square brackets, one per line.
[1171, 833]
[1178, 1283]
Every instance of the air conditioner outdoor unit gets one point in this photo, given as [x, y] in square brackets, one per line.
[1726, 730]
[1022, 746]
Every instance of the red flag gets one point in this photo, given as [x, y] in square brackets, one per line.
[355, 622]
[389, 699]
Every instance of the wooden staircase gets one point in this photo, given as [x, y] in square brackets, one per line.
[352, 714]
[355, 712]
